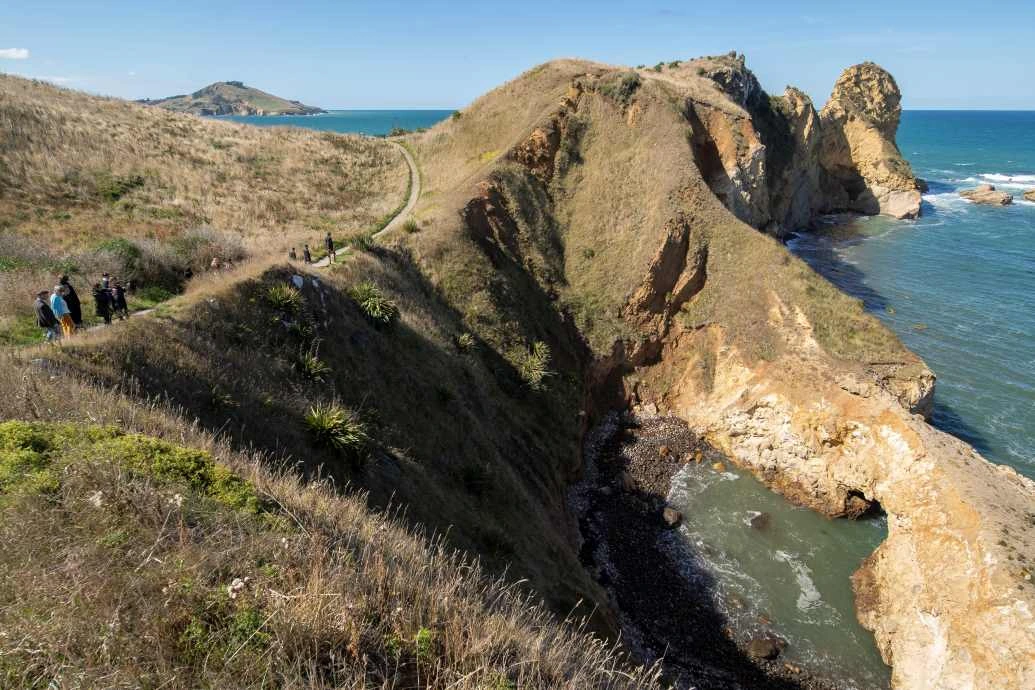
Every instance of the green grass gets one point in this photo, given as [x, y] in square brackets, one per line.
[33, 454]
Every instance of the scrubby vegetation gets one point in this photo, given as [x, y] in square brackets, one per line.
[377, 307]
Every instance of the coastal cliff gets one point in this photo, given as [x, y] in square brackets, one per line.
[587, 201]
[864, 170]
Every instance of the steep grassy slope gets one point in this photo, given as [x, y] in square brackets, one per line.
[593, 191]
[129, 560]
[90, 185]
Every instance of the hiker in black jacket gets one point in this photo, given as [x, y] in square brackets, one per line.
[307, 257]
[45, 318]
[102, 301]
[328, 244]
[75, 308]
[118, 301]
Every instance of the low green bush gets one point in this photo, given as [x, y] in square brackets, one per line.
[411, 226]
[534, 365]
[377, 307]
[339, 429]
[284, 298]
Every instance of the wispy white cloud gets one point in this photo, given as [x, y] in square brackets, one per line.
[132, 74]
[14, 53]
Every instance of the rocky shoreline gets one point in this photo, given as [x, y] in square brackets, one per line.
[665, 603]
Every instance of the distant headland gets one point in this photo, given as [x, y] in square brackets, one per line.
[232, 98]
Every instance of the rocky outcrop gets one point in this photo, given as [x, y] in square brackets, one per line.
[862, 166]
[987, 194]
[1030, 195]
[949, 594]
[232, 98]
[776, 163]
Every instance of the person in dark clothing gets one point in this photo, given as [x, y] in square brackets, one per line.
[307, 257]
[118, 301]
[45, 318]
[75, 308]
[131, 287]
[328, 244]
[105, 281]
[102, 302]
[293, 255]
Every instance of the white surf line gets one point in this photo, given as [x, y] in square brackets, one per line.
[403, 214]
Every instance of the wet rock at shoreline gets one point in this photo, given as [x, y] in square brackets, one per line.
[987, 194]
[768, 647]
[672, 517]
[1029, 195]
[761, 522]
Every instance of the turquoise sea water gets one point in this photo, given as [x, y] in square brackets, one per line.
[373, 122]
[958, 284]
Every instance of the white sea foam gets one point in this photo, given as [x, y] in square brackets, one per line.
[1000, 177]
[808, 597]
[751, 515]
[946, 201]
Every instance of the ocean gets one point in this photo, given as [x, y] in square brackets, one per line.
[372, 122]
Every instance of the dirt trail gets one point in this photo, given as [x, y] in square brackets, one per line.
[403, 214]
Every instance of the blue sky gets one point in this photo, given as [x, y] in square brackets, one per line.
[435, 53]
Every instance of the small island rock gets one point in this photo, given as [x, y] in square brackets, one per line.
[987, 194]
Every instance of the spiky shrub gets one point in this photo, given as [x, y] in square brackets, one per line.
[465, 342]
[378, 308]
[284, 298]
[361, 243]
[411, 226]
[311, 366]
[534, 365]
[339, 429]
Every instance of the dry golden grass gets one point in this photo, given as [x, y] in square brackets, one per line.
[605, 216]
[78, 171]
[64, 155]
[119, 578]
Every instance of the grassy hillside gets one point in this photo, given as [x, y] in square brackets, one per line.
[585, 183]
[563, 233]
[90, 184]
[130, 560]
[232, 98]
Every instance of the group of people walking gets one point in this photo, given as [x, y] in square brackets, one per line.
[307, 255]
[60, 313]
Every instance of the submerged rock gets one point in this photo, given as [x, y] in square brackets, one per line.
[768, 647]
[761, 522]
[987, 194]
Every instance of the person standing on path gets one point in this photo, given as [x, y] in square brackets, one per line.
[328, 243]
[60, 309]
[102, 302]
[106, 281]
[45, 318]
[118, 299]
[75, 307]
[307, 256]
[293, 255]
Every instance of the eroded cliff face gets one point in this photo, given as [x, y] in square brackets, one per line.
[599, 207]
[776, 163]
[863, 168]
[949, 594]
